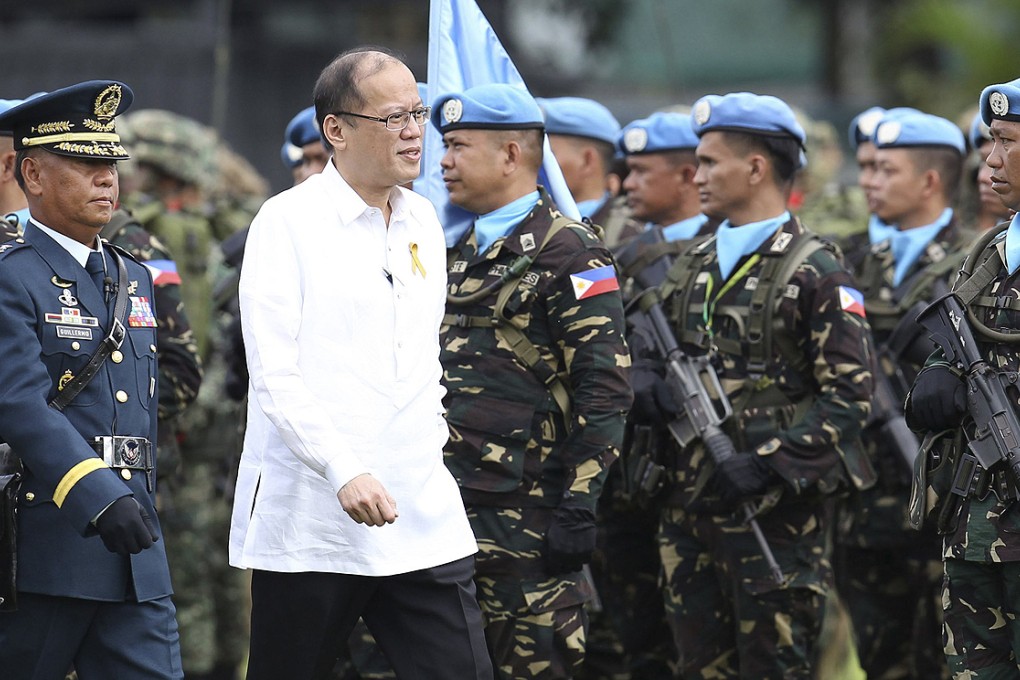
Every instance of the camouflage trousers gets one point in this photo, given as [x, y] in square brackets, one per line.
[535, 622]
[728, 616]
[981, 603]
[630, 637]
[894, 600]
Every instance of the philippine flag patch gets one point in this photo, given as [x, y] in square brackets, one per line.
[594, 282]
[851, 300]
[164, 272]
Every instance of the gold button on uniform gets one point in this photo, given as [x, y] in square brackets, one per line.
[75, 345]
[116, 356]
[126, 474]
[30, 496]
[122, 396]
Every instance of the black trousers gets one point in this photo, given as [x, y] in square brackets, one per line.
[427, 622]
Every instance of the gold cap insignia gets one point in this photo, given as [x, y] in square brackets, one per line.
[108, 102]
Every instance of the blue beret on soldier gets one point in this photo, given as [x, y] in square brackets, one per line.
[862, 127]
[746, 112]
[658, 132]
[1001, 101]
[978, 133]
[74, 121]
[910, 128]
[579, 117]
[495, 106]
[303, 129]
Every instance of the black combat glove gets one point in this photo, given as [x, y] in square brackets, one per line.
[571, 539]
[744, 475]
[125, 527]
[653, 401]
[938, 399]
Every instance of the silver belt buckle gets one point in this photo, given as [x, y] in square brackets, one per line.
[132, 453]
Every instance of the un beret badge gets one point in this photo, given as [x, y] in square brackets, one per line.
[888, 132]
[453, 109]
[999, 103]
[702, 112]
[635, 140]
[868, 122]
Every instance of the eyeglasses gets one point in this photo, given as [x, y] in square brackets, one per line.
[395, 121]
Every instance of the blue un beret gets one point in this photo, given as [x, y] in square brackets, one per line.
[74, 121]
[658, 132]
[862, 127]
[978, 133]
[303, 129]
[906, 128]
[1001, 101]
[579, 117]
[495, 106]
[748, 113]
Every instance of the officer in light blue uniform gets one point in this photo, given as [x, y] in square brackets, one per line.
[13, 208]
[93, 584]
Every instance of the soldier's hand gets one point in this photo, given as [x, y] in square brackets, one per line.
[653, 401]
[366, 500]
[125, 527]
[571, 539]
[938, 399]
[742, 476]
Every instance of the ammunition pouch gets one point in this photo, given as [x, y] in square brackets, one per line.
[644, 475]
[10, 484]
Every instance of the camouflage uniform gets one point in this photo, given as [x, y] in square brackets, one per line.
[980, 549]
[515, 455]
[889, 575]
[210, 596]
[804, 409]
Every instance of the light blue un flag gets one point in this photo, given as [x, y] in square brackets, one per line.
[464, 51]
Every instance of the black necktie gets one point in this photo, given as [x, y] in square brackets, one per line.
[94, 266]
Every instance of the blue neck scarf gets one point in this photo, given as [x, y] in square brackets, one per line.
[589, 208]
[733, 243]
[1013, 244]
[906, 245]
[501, 221]
[684, 230]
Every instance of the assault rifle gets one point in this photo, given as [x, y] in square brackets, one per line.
[686, 377]
[997, 435]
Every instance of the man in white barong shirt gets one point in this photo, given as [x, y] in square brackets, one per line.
[344, 507]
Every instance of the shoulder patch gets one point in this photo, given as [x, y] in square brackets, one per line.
[594, 282]
[851, 300]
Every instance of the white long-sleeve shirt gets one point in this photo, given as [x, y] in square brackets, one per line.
[341, 331]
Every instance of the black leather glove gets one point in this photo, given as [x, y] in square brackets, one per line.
[125, 527]
[653, 401]
[571, 539]
[938, 399]
[744, 475]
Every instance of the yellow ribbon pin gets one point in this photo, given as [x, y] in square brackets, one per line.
[415, 262]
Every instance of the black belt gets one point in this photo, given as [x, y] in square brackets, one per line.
[126, 453]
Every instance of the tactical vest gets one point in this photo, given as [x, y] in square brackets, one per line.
[509, 331]
[763, 330]
[189, 239]
[922, 286]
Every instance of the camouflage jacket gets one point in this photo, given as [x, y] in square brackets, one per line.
[806, 409]
[180, 370]
[617, 225]
[879, 517]
[981, 527]
[510, 444]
